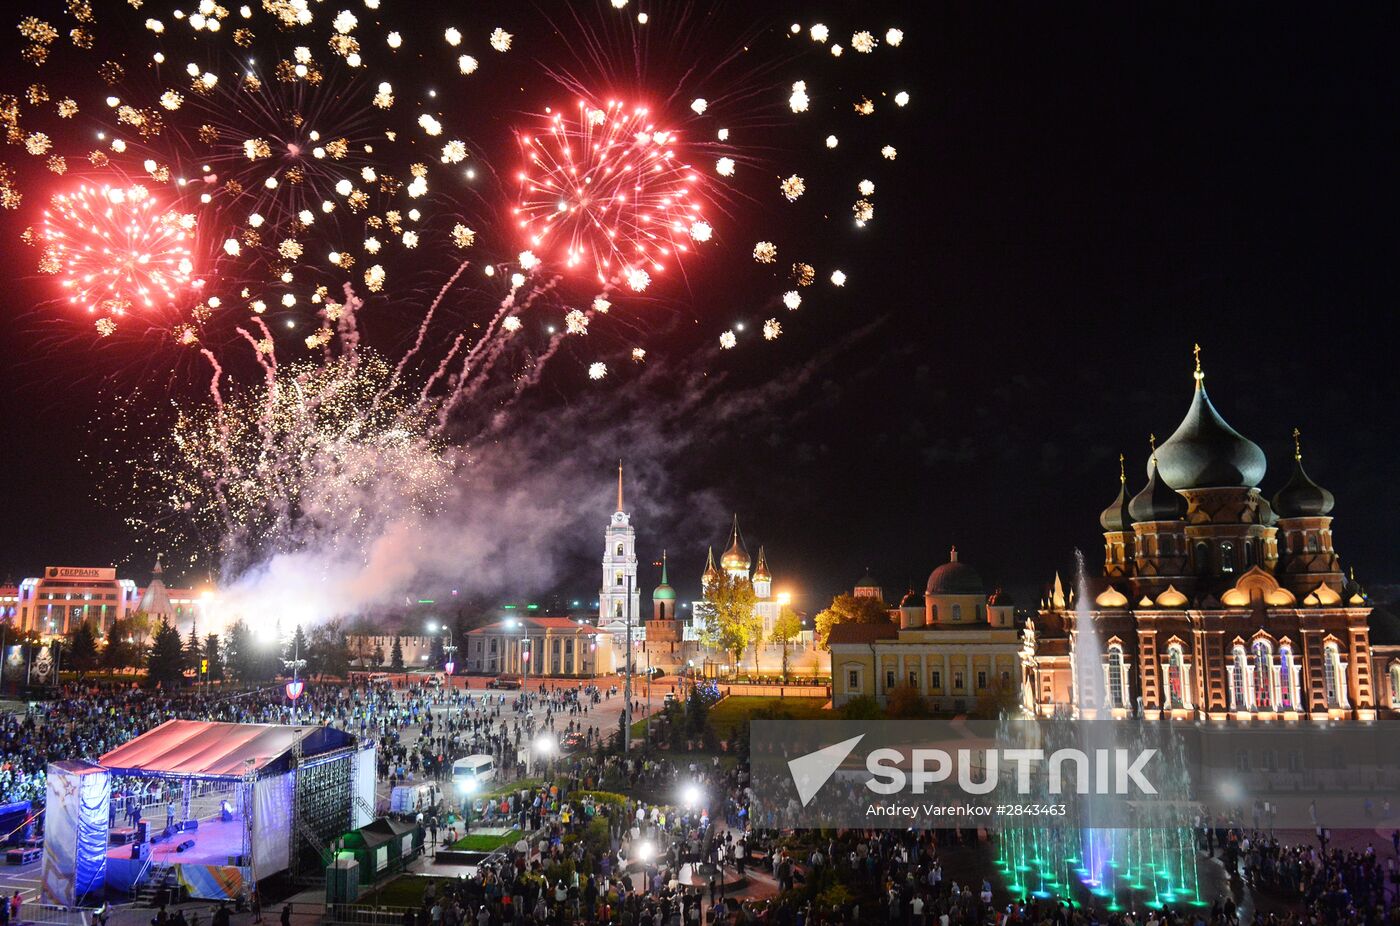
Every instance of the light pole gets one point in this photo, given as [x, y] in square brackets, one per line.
[448, 648]
[627, 683]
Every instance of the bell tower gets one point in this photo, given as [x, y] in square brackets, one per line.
[619, 599]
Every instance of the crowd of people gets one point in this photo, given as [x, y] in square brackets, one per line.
[672, 861]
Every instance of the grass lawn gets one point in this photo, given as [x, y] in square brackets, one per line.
[736, 711]
[474, 842]
[403, 891]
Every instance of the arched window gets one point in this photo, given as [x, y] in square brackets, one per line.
[1238, 690]
[617, 609]
[1202, 557]
[619, 549]
[1176, 676]
[1263, 675]
[1331, 670]
[1116, 696]
[957, 613]
[1312, 543]
[1287, 698]
[935, 613]
[1395, 684]
[1248, 554]
[1227, 556]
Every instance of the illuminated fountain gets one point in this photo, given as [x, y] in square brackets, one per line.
[1076, 857]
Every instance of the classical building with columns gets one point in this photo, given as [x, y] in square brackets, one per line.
[958, 648]
[554, 646]
[1214, 603]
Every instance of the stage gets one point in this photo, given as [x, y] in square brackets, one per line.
[215, 842]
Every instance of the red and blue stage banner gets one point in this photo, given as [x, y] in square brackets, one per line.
[214, 882]
[75, 831]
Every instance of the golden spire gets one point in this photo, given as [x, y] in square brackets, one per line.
[1152, 442]
[1122, 476]
[1196, 350]
[1297, 445]
[619, 485]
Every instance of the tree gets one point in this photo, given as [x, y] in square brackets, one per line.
[904, 702]
[437, 656]
[81, 653]
[247, 659]
[787, 628]
[141, 626]
[862, 707]
[848, 609]
[297, 649]
[213, 653]
[194, 652]
[731, 623]
[396, 655]
[330, 651]
[166, 666]
[378, 655]
[120, 650]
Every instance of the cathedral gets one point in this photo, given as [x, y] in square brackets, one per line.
[1214, 603]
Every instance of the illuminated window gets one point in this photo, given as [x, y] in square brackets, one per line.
[1395, 684]
[957, 613]
[1117, 697]
[1176, 676]
[619, 549]
[1287, 698]
[853, 680]
[1331, 670]
[1227, 556]
[1263, 675]
[1238, 692]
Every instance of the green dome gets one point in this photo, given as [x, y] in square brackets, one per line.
[663, 593]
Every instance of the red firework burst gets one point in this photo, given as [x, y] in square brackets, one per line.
[116, 248]
[610, 190]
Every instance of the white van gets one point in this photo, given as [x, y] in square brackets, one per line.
[470, 773]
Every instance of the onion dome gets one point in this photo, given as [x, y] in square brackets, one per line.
[760, 572]
[710, 569]
[1115, 517]
[1171, 598]
[1111, 598]
[954, 578]
[868, 581]
[664, 591]
[1205, 452]
[1157, 501]
[736, 557]
[1301, 497]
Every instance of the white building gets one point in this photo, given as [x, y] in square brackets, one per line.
[619, 598]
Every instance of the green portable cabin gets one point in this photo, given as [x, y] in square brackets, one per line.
[383, 847]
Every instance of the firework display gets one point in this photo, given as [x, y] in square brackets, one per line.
[115, 249]
[607, 188]
[263, 186]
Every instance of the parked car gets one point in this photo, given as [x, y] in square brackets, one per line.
[508, 682]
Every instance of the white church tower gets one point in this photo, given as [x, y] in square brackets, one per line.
[619, 599]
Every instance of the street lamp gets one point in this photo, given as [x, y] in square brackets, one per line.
[544, 745]
[448, 648]
[296, 686]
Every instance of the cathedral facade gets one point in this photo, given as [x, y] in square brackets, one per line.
[1214, 603]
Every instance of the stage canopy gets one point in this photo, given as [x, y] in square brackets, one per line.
[203, 749]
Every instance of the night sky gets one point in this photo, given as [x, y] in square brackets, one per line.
[1082, 193]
